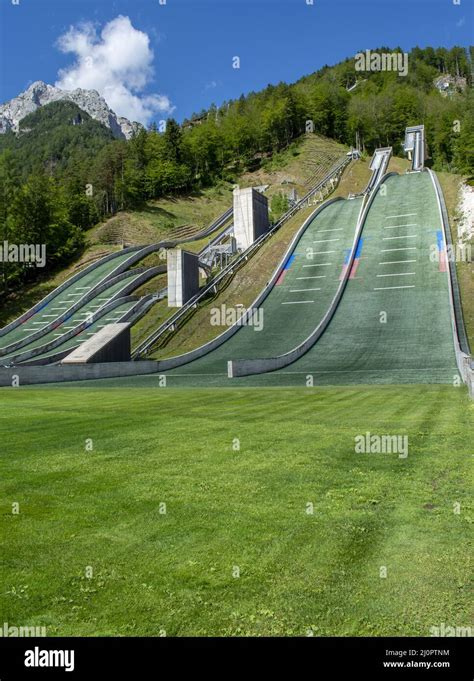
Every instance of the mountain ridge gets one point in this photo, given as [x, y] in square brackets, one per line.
[40, 94]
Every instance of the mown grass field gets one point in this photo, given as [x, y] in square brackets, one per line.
[230, 510]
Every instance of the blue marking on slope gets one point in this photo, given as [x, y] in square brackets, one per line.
[439, 236]
[359, 248]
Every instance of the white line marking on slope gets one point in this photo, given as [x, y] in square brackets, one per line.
[324, 231]
[397, 274]
[303, 290]
[405, 248]
[411, 224]
[395, 262]
[323, 252]
[325, 241]
[319, 264]
[405, 236]
[309, 277]
[385, 288]
[405, 215]
[297, 302]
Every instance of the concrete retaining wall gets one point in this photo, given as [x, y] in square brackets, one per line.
[35, 375]
[470, 382]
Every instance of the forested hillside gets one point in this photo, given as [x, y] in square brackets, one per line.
[64, 172]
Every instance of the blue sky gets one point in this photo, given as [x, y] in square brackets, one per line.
[193, 43]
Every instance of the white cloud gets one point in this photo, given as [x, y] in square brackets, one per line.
[118, 64]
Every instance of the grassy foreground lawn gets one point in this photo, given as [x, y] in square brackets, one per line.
[229, 509]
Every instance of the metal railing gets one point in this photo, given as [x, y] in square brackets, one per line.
[461, 343]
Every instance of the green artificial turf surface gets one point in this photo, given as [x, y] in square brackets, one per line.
[62, 301]
[393, 322]
[75, 320]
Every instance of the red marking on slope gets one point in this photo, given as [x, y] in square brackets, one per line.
[443, 267]
[354, 269]
[280, 279]
[343, 273]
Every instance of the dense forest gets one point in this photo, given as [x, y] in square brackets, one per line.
[63, 172]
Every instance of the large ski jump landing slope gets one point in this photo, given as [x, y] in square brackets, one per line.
[393, 323]
[301, 295]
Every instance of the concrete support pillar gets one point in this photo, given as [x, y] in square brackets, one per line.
[111, 344]
[183, 276]
[250, 216]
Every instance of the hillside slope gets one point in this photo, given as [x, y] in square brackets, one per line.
[159, 219]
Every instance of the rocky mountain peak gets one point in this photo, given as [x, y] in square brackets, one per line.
[40, 94]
